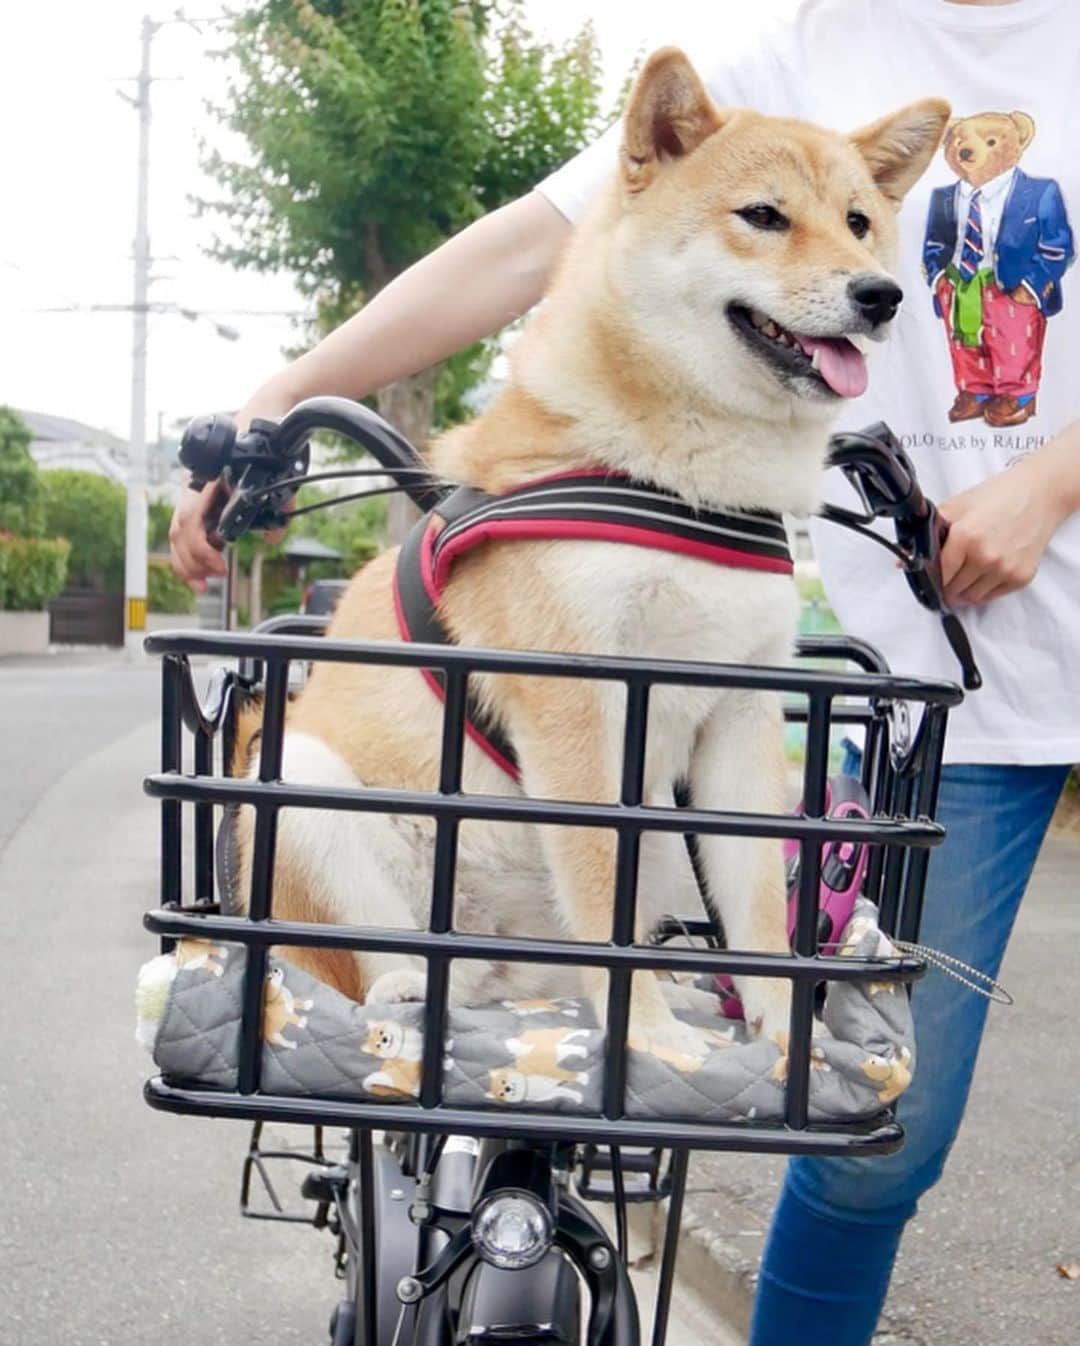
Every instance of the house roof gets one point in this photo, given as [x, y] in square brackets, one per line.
[311, 549]
[51, 429]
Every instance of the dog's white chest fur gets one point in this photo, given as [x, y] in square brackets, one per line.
[640, 603]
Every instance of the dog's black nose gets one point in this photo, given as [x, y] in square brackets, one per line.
[877, 296]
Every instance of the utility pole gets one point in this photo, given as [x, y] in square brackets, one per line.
[135, 529]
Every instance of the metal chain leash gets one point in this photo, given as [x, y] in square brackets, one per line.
[979, 982]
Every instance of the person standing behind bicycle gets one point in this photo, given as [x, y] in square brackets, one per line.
[979, 384]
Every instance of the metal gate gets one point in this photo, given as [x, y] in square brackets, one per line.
[86, 617]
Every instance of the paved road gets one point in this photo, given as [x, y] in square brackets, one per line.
[118, 1226]
[978, 1263]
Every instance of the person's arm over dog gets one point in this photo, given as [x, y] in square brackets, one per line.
[475, 284]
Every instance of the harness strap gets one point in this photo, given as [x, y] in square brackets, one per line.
[416, 605]
[600, 507]
[590, 505]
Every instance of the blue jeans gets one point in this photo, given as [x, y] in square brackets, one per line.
[837, 1225]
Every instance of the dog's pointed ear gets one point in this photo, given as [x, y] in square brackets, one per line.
[668, 116]
[898, 148]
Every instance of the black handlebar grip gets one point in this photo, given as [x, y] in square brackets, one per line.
[206, 447]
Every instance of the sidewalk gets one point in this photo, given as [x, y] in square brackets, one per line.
[978, 1263]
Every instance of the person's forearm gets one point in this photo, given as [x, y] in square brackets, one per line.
[472, 286]
[1058, 462]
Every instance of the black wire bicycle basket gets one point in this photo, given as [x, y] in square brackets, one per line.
[900, 774]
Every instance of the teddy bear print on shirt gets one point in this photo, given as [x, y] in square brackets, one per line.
[996, 247]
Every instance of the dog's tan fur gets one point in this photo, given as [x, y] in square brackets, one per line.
[629, 364]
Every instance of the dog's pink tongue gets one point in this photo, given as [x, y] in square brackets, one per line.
[840, 364]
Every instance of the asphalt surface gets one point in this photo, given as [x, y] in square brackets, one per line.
[978, 1264]
[119, 1225]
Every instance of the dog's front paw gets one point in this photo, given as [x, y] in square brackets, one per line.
[405, 985]
[654, 1029]
[767, 1005]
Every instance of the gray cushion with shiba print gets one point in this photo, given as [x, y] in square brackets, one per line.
[530, 1054]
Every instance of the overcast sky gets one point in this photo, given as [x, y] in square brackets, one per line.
[67, 161]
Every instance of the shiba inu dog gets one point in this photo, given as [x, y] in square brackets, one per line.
[703, 327]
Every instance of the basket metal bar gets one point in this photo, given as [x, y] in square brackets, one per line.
[876, 778]
[173, 681]
[815, 774]
[204, 821]
[926, 802]
[628, 852]
[421, 943]
[361, 1153]
[586, 667]
[680, 1163]
[442, 892]
[882, 1135]
[501, 808]
[262, 875]
[895, 862]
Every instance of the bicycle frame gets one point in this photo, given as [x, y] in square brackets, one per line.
[902, 780]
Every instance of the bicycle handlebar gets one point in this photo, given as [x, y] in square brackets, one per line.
[262, 465]
[265, 466]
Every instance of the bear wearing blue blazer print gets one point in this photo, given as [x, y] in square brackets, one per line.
[997, 244]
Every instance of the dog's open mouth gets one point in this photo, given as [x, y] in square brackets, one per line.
[834, 362]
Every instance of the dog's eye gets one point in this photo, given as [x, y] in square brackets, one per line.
[858, 223]
[991, 142]
[763, 216]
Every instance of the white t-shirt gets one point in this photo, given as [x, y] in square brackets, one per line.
[842, 63]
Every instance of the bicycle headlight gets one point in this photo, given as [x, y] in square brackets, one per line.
[512, 1229]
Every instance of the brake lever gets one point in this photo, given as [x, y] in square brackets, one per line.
[884, 479]
[249, 466]
[255, 503]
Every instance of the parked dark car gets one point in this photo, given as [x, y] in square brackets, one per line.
[321, 597]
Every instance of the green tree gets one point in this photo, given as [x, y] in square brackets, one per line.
[165, 592]
[32, 571]
[375, 130]
[88, 510]
[356, 529]
[21, 509]
[158, 517]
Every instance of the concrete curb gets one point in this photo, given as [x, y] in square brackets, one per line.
[711, 1269]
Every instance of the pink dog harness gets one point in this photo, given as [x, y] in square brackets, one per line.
[586, 505]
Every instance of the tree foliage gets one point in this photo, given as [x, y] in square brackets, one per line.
[32, 571]
[89, 511]
[21, 510]
[376, 129]
[357, 529]
[158, 518]
[165, 592]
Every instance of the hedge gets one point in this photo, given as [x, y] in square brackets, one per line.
[89, 511]
[165, 592]
[32, 571]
